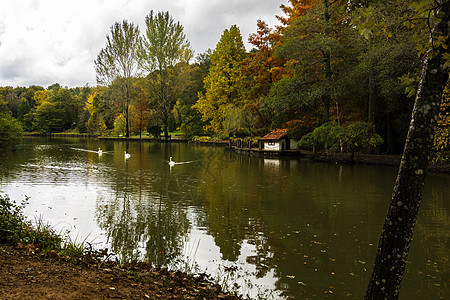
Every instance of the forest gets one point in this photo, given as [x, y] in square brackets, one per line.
[331, 70]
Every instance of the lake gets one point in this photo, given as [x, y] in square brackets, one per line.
[269, 228]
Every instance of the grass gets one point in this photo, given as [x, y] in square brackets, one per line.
[15, 230]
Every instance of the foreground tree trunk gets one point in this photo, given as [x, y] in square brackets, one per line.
[398, 228]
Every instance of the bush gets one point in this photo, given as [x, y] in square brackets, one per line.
[154, 130]
[356, 136]
[14, 228]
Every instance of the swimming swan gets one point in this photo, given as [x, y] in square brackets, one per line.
[127, 155]
[100, 152]
[171, 162]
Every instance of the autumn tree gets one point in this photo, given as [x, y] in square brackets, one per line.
[163, 53]
[308, 42]
[140, 110]
[118, 60]
[224, 85]
[262, 69]
[95, 123]
[396, 236]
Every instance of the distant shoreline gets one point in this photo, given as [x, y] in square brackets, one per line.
[325, 157]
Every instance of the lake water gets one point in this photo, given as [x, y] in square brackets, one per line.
[277, 228]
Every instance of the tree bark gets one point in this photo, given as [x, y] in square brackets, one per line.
[327, 58]
[398, 228]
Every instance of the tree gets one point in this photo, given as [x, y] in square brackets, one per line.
[140, 110]
[163, 52]
[398, 228]
[118, 60]
[191, 119]
[318, 45]
[262, 68]
[10, 131]
[224, 84]
[95, 123]
[49, 117]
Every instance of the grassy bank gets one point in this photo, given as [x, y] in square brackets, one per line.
[38, 262]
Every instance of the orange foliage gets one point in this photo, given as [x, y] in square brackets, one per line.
[296, 9]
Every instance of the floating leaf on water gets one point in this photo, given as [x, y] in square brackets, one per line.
[290, 276]
[351, 273]
[301, 283]
[332, 273]
[112, 288]
[362, 262]
[332, 259]
[437, 284]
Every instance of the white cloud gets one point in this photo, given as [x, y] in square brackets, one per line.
[48, 41]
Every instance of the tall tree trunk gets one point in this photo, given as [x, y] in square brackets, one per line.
[398, 228]
[127, 110]
[328, 73]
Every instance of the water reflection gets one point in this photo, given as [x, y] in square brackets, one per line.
[305, 229]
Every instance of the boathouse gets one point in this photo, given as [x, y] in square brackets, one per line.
[277, 140]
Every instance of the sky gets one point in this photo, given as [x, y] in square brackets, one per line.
[56, 41]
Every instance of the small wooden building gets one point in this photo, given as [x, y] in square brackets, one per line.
[277, 140]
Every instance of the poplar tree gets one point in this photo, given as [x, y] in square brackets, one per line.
[223, 100]
[163, 52]
[117, 62]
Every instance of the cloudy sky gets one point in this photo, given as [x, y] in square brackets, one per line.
[48, 41]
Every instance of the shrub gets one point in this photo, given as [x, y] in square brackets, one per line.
[15, 229]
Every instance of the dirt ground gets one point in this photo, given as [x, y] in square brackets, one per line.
[25, 274]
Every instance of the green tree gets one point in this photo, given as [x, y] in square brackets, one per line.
[49, 117]
[191, 119]
[58, 112]
[10, 130]
[164, 51]
[224, 84]
[118, 60]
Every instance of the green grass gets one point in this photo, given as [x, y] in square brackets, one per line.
[15, 229]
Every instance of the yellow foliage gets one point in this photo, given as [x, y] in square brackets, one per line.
[40, 96]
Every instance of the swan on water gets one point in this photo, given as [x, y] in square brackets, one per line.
[127, 155]
[100, 152]
[171, 162]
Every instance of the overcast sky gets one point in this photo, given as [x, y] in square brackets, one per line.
[48, 41]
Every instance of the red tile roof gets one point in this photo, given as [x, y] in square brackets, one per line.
[275, 135]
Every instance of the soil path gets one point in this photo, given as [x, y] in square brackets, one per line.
[27, 275]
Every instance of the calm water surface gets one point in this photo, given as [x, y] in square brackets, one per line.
[289, 227]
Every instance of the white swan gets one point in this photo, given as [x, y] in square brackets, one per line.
[171, 162]
[100, 152]
[127, 155]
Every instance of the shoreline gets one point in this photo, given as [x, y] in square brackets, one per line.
[392, 160]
